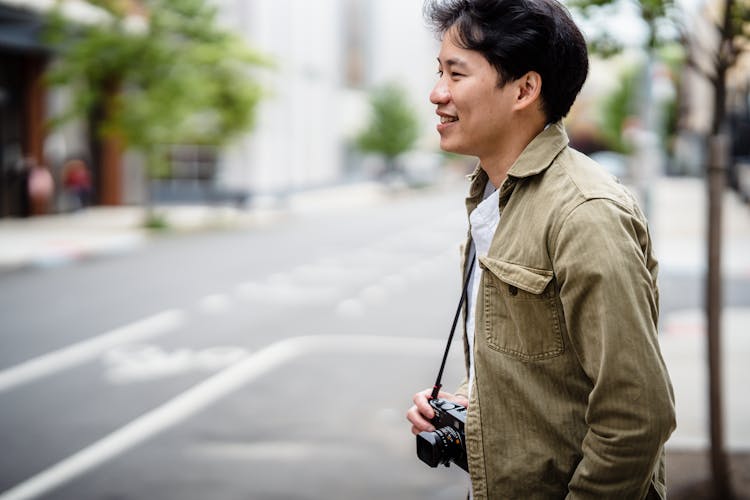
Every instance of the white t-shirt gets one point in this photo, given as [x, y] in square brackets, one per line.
[484, 220]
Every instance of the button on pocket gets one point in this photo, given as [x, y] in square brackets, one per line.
[520, 311]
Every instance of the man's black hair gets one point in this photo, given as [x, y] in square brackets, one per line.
[518, 36]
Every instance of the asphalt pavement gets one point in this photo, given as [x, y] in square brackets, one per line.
[677, 218]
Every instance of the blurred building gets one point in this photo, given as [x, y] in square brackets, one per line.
[22, 103]
[697, 97]
[328, 54]
[26, 104]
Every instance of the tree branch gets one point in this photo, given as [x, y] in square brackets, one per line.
[695, 52]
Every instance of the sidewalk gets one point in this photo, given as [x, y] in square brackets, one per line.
[679, 227]
[55, 240]
[678, 224]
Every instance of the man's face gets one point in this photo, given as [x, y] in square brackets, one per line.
[475, 114]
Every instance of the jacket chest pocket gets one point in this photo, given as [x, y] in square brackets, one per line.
[520, 316]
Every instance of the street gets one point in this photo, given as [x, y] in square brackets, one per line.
[322, 420]
[266, 363]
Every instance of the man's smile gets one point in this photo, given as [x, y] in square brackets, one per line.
[445, 120]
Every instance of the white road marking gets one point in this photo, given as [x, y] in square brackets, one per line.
[281, 451]
[350, 308]
[206, 393]
[249, 290]
[286, 293]
[146, 362]
[326, 279]
[374, 294]
[394, 283]
[280, 279]
[216, 303]
[75, 354]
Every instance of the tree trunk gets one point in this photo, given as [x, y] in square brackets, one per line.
[716, 180]
[112, 150]
[717, 171]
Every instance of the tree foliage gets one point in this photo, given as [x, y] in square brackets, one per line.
[393, 126]
[667, 23]
[660, 17]
[616, 108]
[167, 74]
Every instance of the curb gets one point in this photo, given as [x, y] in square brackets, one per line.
[56, 240]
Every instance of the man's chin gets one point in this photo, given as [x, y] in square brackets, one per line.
[452, 147]
[448, 146]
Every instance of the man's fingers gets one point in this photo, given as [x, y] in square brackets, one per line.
[416, 429]
[418, 421]
[420, 401]
[421, 413]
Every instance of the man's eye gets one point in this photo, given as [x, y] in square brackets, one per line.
[440, 72]
[456, 75]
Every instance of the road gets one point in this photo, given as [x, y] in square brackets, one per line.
[258, 364]
[274, 363]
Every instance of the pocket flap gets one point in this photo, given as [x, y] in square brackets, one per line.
[527, 279]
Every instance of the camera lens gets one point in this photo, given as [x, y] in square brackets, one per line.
[439, 446]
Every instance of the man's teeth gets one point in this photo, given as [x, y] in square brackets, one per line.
[448, 119]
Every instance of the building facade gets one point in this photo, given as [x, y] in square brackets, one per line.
[22, 105]
[326, 56]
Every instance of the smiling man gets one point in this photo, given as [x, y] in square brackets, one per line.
[566, 389]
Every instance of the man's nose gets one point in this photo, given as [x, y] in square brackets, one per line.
[439, 94]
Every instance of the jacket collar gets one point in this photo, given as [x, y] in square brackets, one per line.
[478, 180]
[540, 152]
[535, 158]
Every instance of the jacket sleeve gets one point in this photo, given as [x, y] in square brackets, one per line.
[607, 279]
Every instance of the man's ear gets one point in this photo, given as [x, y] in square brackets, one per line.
[529, 88]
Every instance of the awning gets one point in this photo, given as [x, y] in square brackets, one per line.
[21, 21]
[20, 30]
[79, 11]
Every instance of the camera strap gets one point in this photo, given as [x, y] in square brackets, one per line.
[464, 297]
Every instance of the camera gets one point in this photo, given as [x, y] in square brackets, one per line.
[447, 442]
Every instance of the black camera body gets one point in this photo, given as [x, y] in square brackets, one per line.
[447, 443]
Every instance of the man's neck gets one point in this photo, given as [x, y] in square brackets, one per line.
[498, 163]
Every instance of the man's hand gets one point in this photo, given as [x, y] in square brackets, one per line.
[421, 413]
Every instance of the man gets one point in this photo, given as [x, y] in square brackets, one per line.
[567, 392]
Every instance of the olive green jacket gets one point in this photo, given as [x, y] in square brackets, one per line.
[571, 397]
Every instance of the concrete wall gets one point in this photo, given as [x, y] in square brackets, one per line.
[306, 126]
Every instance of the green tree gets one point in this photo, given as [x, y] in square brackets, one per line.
[393, 127]
[616, 108]
[666, 24]
[168, 76]
[622, 104]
